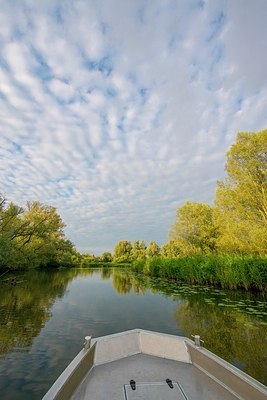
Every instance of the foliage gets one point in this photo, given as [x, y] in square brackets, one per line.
[33, 237]
[139, 250]
[126, 252]
[171, 249]
[241, 199]
[153, 250]
[194, 229]
[106, 257]
[87, 259]
[247, 272]
[237, 224]
[123, 251]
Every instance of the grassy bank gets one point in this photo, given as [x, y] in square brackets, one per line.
[231, 272]
[102, 264]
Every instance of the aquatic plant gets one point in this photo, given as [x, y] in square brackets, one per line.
[246, 272]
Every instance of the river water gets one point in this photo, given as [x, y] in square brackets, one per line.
[46, 314]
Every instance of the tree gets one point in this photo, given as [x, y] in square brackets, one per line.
[11, 226]
[153, 250]
[194, 229]
[241, 199]
[66, 255]
[87, 259]
[32, 237]
[123, 251]
[106, 257]
[171, 249]
[139, 250]
[41, 236]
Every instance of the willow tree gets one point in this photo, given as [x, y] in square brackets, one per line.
[193, 229]
[123, 251]
[153, 250]
[241, 199]
[171, 249]
[32, 237]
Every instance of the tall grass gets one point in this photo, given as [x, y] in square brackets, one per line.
[246, 272]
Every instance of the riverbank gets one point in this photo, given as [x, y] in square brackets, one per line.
[229, 272]
[225, 271]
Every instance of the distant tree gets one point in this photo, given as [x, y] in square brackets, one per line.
[171, 249]
[106, 257]
[241, 199]
[139, 250]
[153, 250]
[87, 259]
[194, 228]
[123, 251]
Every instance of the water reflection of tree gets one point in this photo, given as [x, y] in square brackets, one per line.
[124, 282]
[106, 273]
[25, 307]
[228, 334]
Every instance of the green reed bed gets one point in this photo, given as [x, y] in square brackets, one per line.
[227, 271]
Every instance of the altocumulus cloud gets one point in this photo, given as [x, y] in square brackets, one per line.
[116, 112]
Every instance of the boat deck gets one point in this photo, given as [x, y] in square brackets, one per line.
[105, 366]
[111, 381]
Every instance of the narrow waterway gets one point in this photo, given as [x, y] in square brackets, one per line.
[45, 316]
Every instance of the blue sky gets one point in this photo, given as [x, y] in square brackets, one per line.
[118, 111]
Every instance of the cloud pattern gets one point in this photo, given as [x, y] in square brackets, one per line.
[117, 112]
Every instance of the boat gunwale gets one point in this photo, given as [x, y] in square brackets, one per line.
[71, 369]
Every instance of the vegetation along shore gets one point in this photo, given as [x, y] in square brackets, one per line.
[224, 244]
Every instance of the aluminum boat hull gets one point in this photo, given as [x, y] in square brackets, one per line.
[107, 367]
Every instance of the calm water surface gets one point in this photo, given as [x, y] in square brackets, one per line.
[44, 318]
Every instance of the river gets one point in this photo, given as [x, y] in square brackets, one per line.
[46, 314]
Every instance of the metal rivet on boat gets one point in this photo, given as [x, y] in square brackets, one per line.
[169, 382]
[132, 383]
[87, 342]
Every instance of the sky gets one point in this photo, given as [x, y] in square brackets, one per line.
[118, 111]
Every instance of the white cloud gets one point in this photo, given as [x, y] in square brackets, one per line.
[61, 90]
[117, 115]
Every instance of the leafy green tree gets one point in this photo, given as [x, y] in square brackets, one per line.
[38, 242]
[32, 237]
[153, 250]
[139, 250]
[171, 249]
[123, 251]
[87, 259]
[11, 226]
[66, 255]
[106, 257]
[194, 228]
[241, 199]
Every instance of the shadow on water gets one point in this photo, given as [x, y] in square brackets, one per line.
[44, 318]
